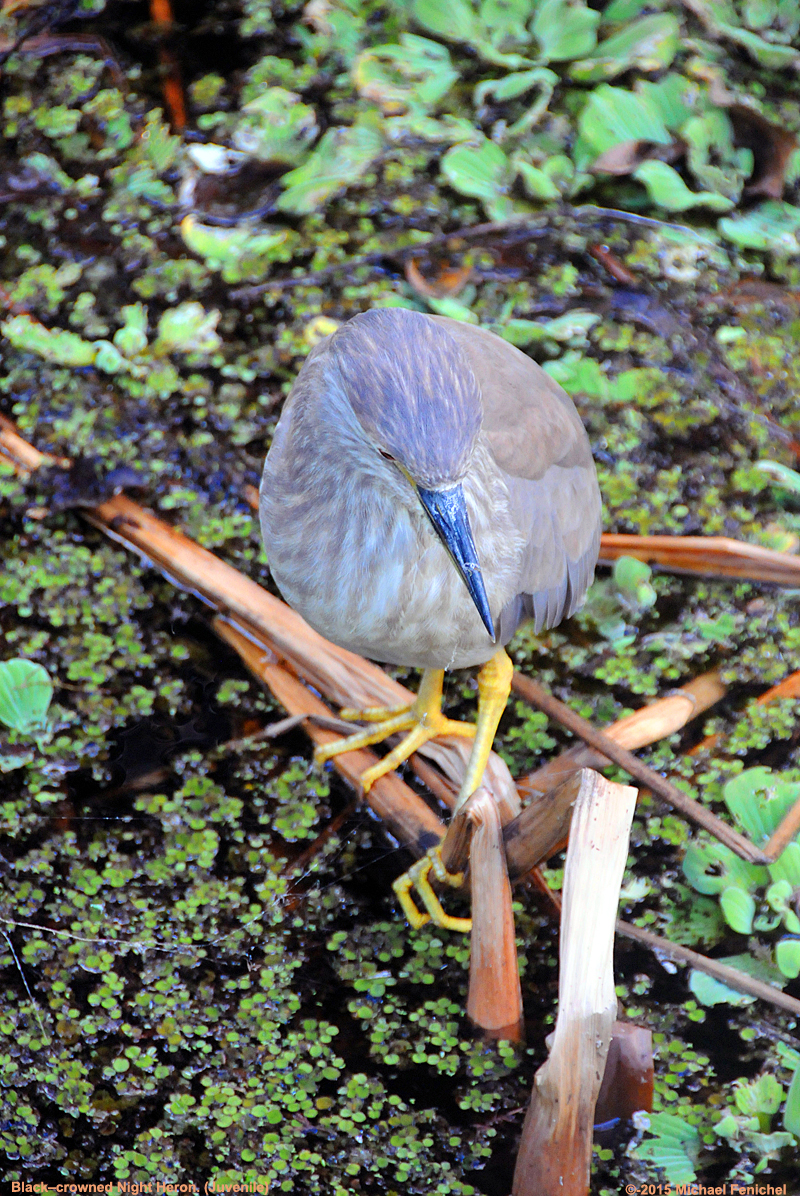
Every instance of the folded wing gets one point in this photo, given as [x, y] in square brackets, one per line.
[539, 442]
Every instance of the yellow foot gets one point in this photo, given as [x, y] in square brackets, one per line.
[417, 878]
[423, 720]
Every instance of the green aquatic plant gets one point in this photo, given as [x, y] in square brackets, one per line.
[649, 44]
[276, 126]
[753, 897]
[673, 1148]
[748, 1125]
[498, 30]
[342, 158]
[615, 603]
[239, 254]
[26, 692]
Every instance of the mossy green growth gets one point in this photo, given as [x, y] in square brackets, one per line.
[188, 1001]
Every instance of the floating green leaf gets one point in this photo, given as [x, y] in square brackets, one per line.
[649, 44]
[787, 957]
[613, 115]
[410, 77]
[712, 157]
[241, 254]
[25, 695]
[773, 225]
[674, 98]
[276, 127]
[571, 328]
[780, 898]
[624, 10]
[721, 17]
[712, 867]
[447, 306]
[63, 348]
[713, 992]
[555, 176]
[668, 190]
[503, 26]
[787, 866]
[738, 908]
[564, 30]
[760, 1098]
[718, 630]
[515, 84]
[632, 580]
[758, 799]
[791, 1110]
[710, 992]
[341, 158]
[454, 20]
[483, 172]
[188, 328]
[673, 1148]
[131, 338]
[538, 182]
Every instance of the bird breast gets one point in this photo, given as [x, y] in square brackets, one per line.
[353, 551]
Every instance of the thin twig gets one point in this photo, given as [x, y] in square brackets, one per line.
[402, 253]
[729, 976]
[539, 697]
[34, 1003]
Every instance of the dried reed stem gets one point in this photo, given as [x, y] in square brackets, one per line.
[494, 1001]
[732, 977]
[711, 556]
[545, 701]
[556, 1147]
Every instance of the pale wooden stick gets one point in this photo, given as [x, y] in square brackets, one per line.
[494, 1001]
[556, 1148]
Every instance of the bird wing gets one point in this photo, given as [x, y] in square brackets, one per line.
[538, 441]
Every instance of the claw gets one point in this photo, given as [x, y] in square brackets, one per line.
[423, 720]
[417, 878]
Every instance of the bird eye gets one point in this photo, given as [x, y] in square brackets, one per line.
[386, 456]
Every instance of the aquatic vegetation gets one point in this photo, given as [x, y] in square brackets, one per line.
[26, 692]
[757, 800]
[195, 1011]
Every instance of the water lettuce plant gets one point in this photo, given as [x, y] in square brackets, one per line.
[26, 692]
[752, 897]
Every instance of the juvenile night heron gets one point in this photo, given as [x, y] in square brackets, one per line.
[428, 489]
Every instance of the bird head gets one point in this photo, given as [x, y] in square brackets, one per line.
[418, 402]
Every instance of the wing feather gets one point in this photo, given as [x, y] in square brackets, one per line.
[540, 444]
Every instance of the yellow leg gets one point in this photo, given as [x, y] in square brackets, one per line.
[423, 720]
[494, 686]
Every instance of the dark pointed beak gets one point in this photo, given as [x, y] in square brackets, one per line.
[447, 511]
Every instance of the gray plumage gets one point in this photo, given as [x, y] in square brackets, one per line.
[395, 398]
